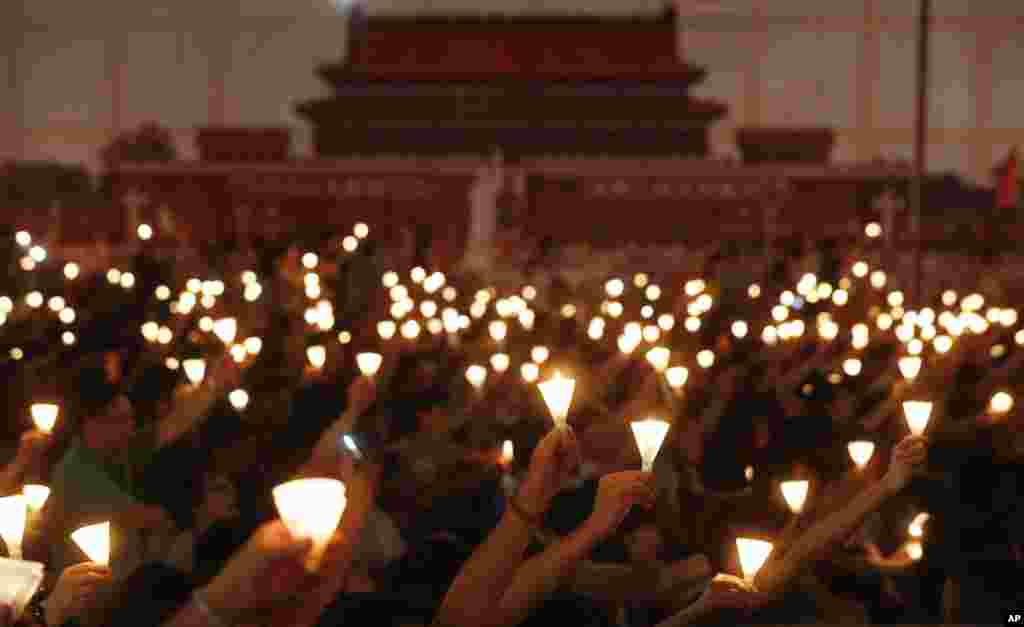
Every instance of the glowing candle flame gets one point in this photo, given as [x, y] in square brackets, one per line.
[44, 415]
[917, 414]
[677, 377]
[650, 435]
[910, 367]
[35, 495]
[317, 356]
[508, 453]
[195, 370]
[500, 362]
[861, 452]
[311, 508]
[659, 357]
[753, 555]
[13, 516]
[795, 493]
[369, 363]
[916, 528]
[476, 375]
[557, 393]
[94, 541]
[529, 371]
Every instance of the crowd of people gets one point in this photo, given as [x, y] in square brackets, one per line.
[191, 384]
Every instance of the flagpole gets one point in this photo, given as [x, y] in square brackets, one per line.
[920, 143]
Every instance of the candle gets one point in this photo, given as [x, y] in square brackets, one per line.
[659, 357]
[317, 356]
[917, 414]
[13, 517]
[557, 393]
[369, 363]
[226, 329]
[650, 435]
[795, 494]
[311, 508]
[94, 541]
[753, 555]
[44, 415]
[195, 370]
[861, 452]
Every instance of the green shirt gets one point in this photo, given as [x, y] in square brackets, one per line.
[86, 489]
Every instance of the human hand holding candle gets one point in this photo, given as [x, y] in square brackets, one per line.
[555, 459]
[94, 540]
[650, 435]
[75, 591]
[265, 572]
[311, 509]
[907, 459]
[557, 392]
[617, 493]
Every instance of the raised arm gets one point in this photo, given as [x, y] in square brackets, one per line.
[540, 576]
[193, 405]
[485, 577]
[907, 458]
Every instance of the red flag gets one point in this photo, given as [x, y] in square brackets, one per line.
[1008, 185]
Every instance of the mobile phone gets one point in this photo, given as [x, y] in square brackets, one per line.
[349, 443]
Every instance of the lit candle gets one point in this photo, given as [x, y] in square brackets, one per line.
[910, 367]
[226, 329]
[917, 414]
[386, 329]
[317, 356]
[311, 509]
[477, 376]
[13, 517]
[35, 495]
[508, 454]
[753, 555]
[530, 371]
[239, 399]
[539, 354]
[369, 363]
[44, 415]
[1001, 403]
[861, 452]
[659, 357]
[500, 362]
[795, 493]
[677, 377]
[94, 541]
[557, 393]
[650, 435]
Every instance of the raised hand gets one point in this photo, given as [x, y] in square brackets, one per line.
[616, 495]
[554, 460]
[729, 592]
[362, 393]
[265, 572]
[75, 592]
[907, 460]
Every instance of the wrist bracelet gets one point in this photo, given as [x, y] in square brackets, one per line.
[204, 609]
[533, 522]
